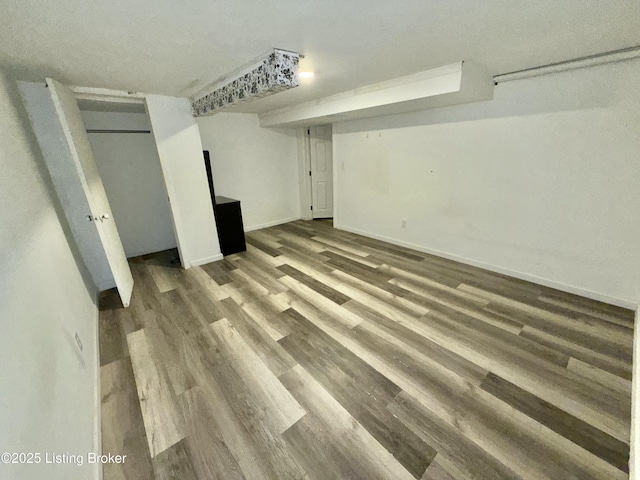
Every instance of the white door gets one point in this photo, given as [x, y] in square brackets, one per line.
[78, 172]
[76, 138]
[321, 171]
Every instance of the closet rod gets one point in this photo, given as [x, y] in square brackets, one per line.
[117, 131]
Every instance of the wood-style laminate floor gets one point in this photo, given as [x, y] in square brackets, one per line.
[320, 354]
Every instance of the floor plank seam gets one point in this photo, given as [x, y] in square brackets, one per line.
[323, 354]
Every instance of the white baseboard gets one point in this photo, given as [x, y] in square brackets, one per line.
[270, 224]
[215, 258]
[620, 302]
[204, 261]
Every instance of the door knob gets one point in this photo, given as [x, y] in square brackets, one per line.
[105, 216]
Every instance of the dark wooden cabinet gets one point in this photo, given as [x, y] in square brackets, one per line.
[228, 217]
[229, 221]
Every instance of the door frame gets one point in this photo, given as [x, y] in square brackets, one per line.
[108, 95]
[304, 167]
[305, 172]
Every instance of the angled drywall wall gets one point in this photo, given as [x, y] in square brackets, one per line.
[49, 398]
[180, 152]
[541, 182]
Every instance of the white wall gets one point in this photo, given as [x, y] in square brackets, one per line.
[180, 151]
[541, 182]
[48, 388]
[132, 177]
[258, 166]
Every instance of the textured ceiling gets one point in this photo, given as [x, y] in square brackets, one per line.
[175, 47]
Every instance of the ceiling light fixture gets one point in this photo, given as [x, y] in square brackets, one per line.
[275, 72]
[305, 74]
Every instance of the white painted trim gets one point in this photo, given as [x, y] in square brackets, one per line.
[334, 159]
[103, 98]
[97, 412]
[620, 302]
[634, 457]
[304, 179]
[107, 95]
[100, 93]
[307, 168]
[270, 224]
[204, 261]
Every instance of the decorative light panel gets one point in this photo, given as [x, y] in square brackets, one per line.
[277, 72]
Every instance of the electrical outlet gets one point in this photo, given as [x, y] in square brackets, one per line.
[403, 223]
[78, 341]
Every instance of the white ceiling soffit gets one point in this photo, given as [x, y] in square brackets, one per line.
[461, 82]
[277, 72]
